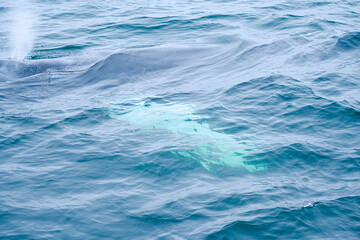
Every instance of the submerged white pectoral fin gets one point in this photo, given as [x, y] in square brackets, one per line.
[209, 156]
[210, 148]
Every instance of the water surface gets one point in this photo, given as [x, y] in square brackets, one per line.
[179, 119]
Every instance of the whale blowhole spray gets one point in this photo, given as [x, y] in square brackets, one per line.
[22, 19]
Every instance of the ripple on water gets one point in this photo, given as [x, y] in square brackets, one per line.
[269, 84]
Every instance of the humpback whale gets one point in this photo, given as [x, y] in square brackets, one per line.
[211, 148]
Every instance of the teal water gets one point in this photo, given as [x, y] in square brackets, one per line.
[179, 119]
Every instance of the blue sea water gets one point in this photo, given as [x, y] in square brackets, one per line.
[195, 119]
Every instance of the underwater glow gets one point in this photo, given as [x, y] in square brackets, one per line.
[209, 147]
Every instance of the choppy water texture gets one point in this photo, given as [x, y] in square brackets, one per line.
[179, 119]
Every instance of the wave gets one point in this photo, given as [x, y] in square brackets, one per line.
[348, 42]
[319, 220]
[116, 69]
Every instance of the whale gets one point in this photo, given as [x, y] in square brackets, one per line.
[210, 148]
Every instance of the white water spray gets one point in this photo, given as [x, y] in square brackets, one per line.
[21, 33]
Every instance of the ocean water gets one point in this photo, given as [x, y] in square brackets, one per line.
[179, 119]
